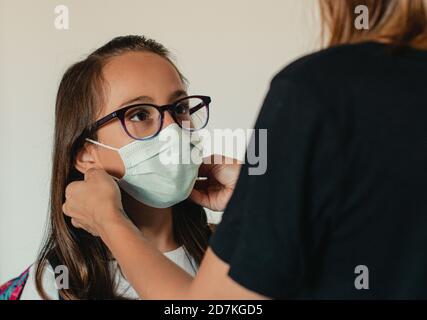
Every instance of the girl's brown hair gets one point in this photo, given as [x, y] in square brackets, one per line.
[80, 96]
[402, 23]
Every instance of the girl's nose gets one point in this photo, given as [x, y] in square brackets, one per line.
[168, 119]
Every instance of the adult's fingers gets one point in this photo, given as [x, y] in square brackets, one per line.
[65, 209]
[200, 197]
[205, 170]
[75, 223]
[220, 159]
[90, 172]
[202, 184]
[70, 189]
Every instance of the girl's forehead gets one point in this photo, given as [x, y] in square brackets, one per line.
[142, 67]
[137, 74]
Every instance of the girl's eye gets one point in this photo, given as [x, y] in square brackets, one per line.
[140, 116]
[182, 109]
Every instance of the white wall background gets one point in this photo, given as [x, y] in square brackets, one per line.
[227, 49]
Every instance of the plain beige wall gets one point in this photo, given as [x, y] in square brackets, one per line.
[227, 49]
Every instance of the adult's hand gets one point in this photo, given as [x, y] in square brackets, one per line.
[222, 174]
[94, 202]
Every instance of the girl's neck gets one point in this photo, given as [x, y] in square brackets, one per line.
[155, 224]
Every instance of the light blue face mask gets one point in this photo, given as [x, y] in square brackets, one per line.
[160, 172]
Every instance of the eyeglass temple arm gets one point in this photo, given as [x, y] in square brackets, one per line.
[197, 108]
[104, 120]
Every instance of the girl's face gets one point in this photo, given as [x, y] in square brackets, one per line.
[134, 77]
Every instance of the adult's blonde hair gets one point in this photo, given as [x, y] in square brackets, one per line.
[398, 22]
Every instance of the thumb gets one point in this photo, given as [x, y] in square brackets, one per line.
[90, 172]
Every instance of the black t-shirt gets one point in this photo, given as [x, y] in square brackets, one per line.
[341, 211]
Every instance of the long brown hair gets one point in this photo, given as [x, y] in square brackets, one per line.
[79, 97]
[402, 23]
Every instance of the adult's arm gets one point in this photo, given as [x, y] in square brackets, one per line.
[155, 277]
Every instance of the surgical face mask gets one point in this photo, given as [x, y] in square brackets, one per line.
[160, 172]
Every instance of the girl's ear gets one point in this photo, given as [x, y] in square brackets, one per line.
[87, 158]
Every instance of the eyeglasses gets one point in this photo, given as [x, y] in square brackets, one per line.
[145, 121]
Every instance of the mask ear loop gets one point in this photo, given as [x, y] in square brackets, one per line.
[105, 146]
[101, 144]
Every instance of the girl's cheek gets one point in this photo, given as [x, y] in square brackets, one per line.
[112, 163]
[115, 136]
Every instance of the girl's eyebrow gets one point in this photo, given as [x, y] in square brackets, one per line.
[137, 99]
[175, 95]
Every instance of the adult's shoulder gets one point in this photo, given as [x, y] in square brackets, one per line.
[334, 65]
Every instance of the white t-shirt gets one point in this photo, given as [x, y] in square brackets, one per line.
[124, 289]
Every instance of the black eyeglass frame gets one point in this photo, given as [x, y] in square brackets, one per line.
[120, 114]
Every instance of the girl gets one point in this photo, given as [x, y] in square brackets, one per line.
[113, 110]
